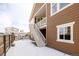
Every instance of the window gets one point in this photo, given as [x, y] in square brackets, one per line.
[63, 5]
[56, 7]
[65, 32]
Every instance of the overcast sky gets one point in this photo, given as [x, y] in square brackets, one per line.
[16, 14]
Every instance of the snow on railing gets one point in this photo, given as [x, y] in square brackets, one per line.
[41, 35]
[37, 36]
[42, 22]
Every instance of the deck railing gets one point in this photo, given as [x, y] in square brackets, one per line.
[5, 43]
[38, 36]
[42, 22]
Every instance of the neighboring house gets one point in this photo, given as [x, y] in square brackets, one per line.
[22, 34]
[10, 30]
[56, 25]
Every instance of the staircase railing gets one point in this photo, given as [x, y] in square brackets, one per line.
[37, 37]
[41, 35]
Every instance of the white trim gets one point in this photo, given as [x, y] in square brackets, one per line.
[58, 10]
[39, 9]
[66, 41]
[44, 26]
[66, 25]
[71, 32]
[32, 21]
[58, 6]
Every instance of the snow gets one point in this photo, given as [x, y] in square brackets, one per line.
[27, 48]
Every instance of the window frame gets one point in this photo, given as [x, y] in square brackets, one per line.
[58, 8]
[71, 24]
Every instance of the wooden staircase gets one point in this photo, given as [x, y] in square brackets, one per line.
[38, 36]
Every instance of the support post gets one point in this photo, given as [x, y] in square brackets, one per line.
[4, 45]
[9, 41]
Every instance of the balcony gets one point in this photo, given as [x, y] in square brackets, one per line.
[42, 23]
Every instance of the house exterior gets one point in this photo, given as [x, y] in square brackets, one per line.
[22, 34]
[9, 30]
[56, 25]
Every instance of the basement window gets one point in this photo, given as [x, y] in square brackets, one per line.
[65, 33]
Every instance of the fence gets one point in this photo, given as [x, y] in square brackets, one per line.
[5, 43]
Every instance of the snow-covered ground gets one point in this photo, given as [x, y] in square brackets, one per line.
[27, 48]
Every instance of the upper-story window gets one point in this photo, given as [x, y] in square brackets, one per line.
[62, 5]
[56, 7]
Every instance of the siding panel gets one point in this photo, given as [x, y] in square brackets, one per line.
[67, 15]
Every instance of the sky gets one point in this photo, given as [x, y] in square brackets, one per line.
[16, 15]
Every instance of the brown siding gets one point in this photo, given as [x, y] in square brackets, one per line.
[36, 7]
[69, 14]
